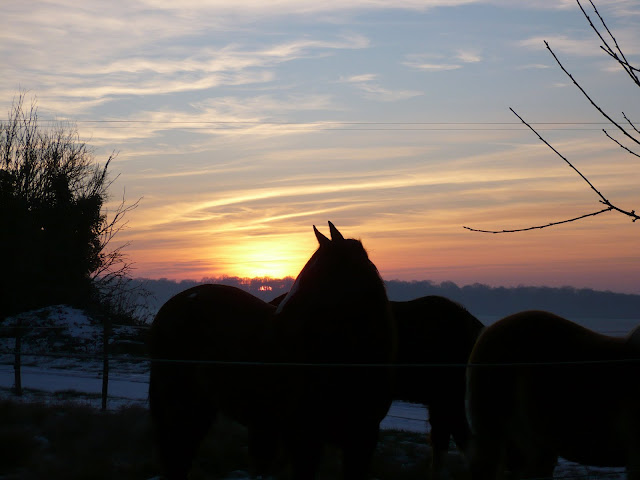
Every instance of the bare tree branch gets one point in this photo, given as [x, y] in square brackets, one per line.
[621, 145]
[603, 199]
[630, 123]
[621, 59]
[595, 105]
[617, 54]
[593, 214]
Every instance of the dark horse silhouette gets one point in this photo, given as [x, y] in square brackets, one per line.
[540, 387]
[435, 337]
[295, 375]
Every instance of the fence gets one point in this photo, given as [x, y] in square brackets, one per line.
[20, 331]
[107, 357]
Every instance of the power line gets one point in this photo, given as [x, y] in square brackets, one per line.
[319, 122]
[297, 364]
[338, 125]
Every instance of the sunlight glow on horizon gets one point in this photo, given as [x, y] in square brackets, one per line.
[239, 126]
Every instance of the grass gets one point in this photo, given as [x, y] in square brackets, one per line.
[73, 441]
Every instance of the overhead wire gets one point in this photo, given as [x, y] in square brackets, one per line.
[339, 125]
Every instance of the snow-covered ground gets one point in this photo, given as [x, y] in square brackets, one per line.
[61, 329]
[132, 388]
[62, 352]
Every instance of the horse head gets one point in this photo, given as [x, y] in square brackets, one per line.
[338, 269]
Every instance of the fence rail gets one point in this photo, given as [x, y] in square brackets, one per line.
[114, 371]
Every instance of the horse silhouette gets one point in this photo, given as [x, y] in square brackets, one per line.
[435, 337]
[540, 387]
[311, 372]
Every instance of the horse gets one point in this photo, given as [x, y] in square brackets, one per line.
[541, 387]
[435, 337]
[314, 370]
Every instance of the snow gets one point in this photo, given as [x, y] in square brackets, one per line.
[61, 328]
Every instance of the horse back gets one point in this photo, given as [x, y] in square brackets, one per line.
[444, 329]
[436, 335]
[211, 321]
[208, 343]
[537, 380]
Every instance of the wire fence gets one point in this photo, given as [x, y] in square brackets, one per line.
[115, 368]
[110, 360]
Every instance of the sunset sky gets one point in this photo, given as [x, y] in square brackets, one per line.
[242, 124]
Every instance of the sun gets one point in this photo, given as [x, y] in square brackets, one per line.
[274, 257]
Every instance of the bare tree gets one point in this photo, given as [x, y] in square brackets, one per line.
[55, 232]
[628, 133]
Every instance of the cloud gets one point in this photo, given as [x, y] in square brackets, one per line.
[583, 47]
[468, 56]
[372, 90]
[211, 118]
[381, 94]
[85, 58]
[439, 63]
[533, 66]
[432, 67]
[363, 78]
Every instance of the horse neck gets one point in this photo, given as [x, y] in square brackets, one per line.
[296, 285]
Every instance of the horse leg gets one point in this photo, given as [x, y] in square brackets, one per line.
[440, 421]
[182, 416]
[460, 430]
[305, 457]
[263, 448]
[538, 463]
[358, 451]
[486, 459]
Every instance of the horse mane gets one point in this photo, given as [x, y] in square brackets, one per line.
[349, 251]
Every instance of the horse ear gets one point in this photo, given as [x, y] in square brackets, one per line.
[322, 240]
[335, 234]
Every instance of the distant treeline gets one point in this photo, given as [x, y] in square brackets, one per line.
[481, 300]
[500, 301]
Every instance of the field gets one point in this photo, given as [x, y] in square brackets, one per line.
[68, 440]
[56, 429]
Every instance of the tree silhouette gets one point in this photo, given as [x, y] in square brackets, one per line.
[629, 131]
[54, 232]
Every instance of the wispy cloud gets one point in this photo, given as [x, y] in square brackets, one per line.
[586, 46]
[210, 118]
[533, 66]
[468, 56]
[363, 78]
[371, 89]
[153, 57]
[439, 63]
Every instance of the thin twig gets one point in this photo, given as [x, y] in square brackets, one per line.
[630, 123]
[603, 199]
[595, 105]
[619, 144]
[622, 59]
[538, 227]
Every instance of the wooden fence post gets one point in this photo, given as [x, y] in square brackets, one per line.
[17, 375]
[105, 361]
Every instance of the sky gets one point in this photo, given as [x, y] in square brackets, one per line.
[241, 124]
